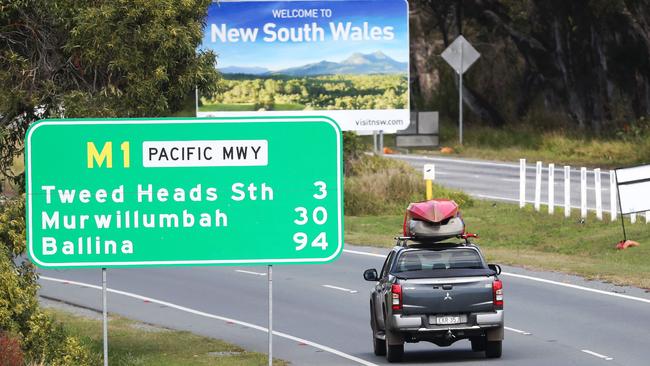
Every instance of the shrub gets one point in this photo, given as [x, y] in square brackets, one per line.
[41, 339]
[381, 186]
[10, 352]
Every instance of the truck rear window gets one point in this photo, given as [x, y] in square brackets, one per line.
[432, 260]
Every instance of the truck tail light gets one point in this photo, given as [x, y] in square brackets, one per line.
[396, 293]
[497, 294]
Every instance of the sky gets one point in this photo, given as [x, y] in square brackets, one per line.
[280, 55]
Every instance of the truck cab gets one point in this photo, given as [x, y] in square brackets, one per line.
[437, 292]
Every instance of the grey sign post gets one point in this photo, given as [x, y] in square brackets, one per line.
[460, 55]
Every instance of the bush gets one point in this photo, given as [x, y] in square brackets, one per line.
[10, 352]
[42, 340]
[381, 186]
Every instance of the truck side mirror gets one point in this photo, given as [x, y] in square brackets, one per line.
[496, 268]
[370, 275]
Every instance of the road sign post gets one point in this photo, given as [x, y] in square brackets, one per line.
[460, 55]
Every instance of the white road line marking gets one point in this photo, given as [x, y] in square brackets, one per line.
[364, 253]
[606, 358]
[515, 200]
[515, 180]
[517, 331]
[250, 272]
[217, 317]
[576, 287]
[341, 289]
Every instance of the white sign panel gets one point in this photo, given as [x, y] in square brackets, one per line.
[634, 189]
[347, 60]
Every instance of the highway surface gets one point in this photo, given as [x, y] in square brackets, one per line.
[500, 180]
[321, 312]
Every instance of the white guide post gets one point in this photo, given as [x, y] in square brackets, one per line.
[460, 95]
[551, 188]
[647, 217]
[538, 185]
[567, 191]
[522, 183]
[613, 206]
[599, 194]
[633, 218]
[583, 192]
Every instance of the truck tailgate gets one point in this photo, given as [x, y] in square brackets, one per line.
[447, 295]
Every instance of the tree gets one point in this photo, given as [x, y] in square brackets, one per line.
[109, 58]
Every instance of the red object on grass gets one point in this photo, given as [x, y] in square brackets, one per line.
[624, 244]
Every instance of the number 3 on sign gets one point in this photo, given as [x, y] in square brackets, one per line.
[301, 239]
[322, 187]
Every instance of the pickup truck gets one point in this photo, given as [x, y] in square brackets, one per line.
[440, 293]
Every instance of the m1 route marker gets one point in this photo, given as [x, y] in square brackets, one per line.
[177, 192]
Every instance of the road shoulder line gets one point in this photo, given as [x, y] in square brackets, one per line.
[217, 317]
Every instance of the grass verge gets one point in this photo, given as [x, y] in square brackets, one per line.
[535, 240]
[134, 343]
[559, 147]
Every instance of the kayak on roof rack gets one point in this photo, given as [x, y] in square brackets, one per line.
[433, 220]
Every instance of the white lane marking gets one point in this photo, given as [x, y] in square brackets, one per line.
[341, 289]
[515, 180]
[250, 272]
[606, 358]
[212, 316]
[517, 331]
[576, 287]
[364, 253]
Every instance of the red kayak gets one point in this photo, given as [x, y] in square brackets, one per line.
[433, 220]
[432, 211]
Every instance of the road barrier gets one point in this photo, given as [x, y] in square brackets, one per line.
[598, 189]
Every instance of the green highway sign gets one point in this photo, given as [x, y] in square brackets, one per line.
[180, 192]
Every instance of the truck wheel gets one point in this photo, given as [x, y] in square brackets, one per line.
[478, 344]
[493, 349]
[394, 353]
[378, 346]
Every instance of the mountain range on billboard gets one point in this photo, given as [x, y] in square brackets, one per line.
[357, 63]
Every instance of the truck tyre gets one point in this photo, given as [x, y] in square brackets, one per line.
[394, 352]
[493, 349]
[378, 346]
[478, 344]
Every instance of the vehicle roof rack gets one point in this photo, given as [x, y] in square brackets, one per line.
[403, 241]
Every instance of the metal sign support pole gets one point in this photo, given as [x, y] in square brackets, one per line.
[270, 276]
[196, 101]
[104, 317]
[620, 206]
[374, 142]
[460, 95]
[381, 142]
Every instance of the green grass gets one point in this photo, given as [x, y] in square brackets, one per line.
[130, 344]
[523, 237]
[557, 146]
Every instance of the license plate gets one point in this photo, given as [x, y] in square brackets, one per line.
[448, 319]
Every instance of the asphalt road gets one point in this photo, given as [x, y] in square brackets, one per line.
[322, 316]
[500, 180]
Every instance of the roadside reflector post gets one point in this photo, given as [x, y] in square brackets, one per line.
[583, 192]
[647, 217]
[567, 191]
[633, 218]
[522, 183]
[599, 193]
[104, 317]
[429, 177]
[538, 185]
[612, 196]
[551, 188]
